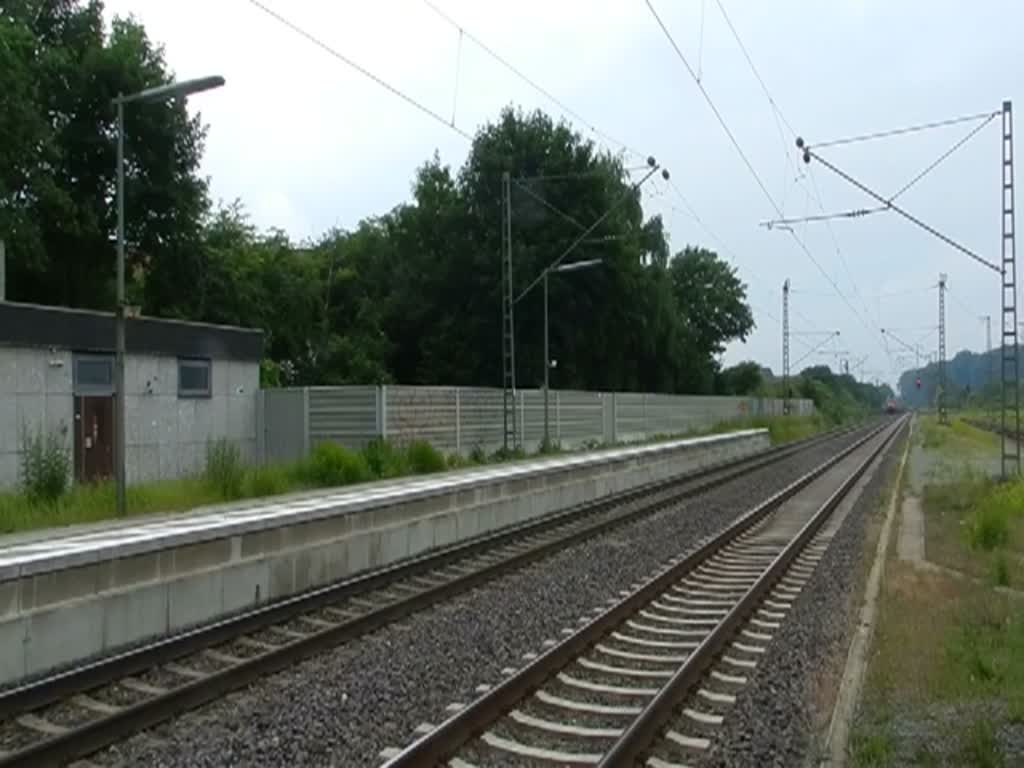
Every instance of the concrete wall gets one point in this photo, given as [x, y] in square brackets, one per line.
[35, 393]
[166, 435]
[113, 600]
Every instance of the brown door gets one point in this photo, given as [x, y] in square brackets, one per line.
[94, 438]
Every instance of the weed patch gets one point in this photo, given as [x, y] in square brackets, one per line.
[384, 460]
[424, 458]
[45, 467]
[331, 464]
[224, 470]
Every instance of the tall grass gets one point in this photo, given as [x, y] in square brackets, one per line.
[331, 464]
[224, 470]
[45, 470]
[226, 477]
[781, 429]
[989, 523]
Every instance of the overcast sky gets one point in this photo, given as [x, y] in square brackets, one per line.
[307, 143]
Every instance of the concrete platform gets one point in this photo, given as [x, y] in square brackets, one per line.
[67, 595]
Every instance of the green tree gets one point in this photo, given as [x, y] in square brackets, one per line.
[712, 301]
[59, 71]
[741, 379]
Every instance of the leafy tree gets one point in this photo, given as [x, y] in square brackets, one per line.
[59, 71]
[712, 299]
[412, 295]
[741, 379]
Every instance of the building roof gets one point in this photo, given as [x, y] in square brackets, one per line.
[86, 330]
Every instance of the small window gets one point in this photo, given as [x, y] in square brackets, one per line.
[193, 378]
[94, 375]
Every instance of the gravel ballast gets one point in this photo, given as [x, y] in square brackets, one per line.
[341, 708]
[778, 713]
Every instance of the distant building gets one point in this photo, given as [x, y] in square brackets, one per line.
[186, 383]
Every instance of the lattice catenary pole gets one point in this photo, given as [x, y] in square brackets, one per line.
[1010, 420]
[508, 328]
[941, 399]
[785, 346]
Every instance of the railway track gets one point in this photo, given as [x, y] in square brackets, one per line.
[648, 678]
[75, 713]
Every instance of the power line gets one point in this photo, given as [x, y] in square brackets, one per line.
[577, 175]
[532, 83]
[458, 71]
[360, 69]
[711, 104]
[854, 213]
[815, 348]
[548, 205]
[746, 161]
[905, 130]
[943, 156]
[777, 112]
[887, 204]
[861, 212]
[808, 153]
[597, 222]
[960, 304]
[753, 69]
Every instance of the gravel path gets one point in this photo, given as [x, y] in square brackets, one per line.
[343, 707]
[789, 697]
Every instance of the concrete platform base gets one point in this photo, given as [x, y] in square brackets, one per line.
[66, 599]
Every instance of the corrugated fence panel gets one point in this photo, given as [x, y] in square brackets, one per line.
[481, 418]
[468, 418]
[630, 416]
[345, 415]
[422, 413]
[283, 425]
[580, 416]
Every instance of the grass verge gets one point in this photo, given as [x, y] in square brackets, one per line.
[945, 685]
[225, 478]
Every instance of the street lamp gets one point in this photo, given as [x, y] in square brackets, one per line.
[572, 267]
[159, 93]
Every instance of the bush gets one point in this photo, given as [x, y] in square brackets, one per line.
[549, 447]
[45, 467]
[224, 471]
[988, 525]
[508, 454]
[478, 455]
[424, 458]
[267, 481]
[333, 464]
[384, 460]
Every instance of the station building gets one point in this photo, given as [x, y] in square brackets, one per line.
[186, 384]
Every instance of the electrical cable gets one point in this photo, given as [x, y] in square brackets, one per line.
[548, 205]
[458, 69]
[905, 130]
[359, 68]
[943, 156]
[532, 83]
[816, 348]
[749, 165]
[853, 213]
[910, 217]
[597, 222]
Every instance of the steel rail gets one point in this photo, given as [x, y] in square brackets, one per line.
[637, 738]
[94, 735]
[444, 741]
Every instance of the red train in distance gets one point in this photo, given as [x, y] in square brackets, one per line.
[892, 405]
